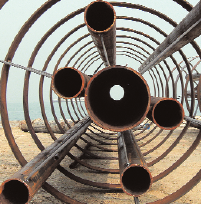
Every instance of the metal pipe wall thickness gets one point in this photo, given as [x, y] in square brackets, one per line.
[135, 177]
[167, 113]
[69, 83]
[117, 115]
[23, 185]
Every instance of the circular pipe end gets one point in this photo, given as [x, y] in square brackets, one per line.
[100, 16]
[68, 82]
[136, 180]
[125, 113]
[15, 191]
[168, 113]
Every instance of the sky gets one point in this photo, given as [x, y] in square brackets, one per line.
[15, 13]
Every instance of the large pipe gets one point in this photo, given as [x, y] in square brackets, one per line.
[23, 185]
[186, 31]
[167, 113]
[69, 83]
[117, 114]
[100, 18]
[135, 177]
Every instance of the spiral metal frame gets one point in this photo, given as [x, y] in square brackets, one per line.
[166, 81]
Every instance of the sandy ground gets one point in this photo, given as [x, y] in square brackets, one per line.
[87, 194]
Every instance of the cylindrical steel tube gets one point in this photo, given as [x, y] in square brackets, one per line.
[100, 18]
[195, 77]
[135, 177]
[167, 113]
[186, 31]
[125, 113]
[69, 83]
[23, 185]
[193, 122]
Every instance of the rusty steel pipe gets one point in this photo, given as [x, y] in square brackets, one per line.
[193, 122]
[186, 31]
[125, 113]
[135, 177]
[166, 113]
[23, 185]
[69, 83]
[100, 18]
[195, 77]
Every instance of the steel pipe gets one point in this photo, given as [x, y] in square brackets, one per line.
[135, 177]
[117, 114]
[100, 18]
[195, 77]
[166, 113]
[186, 31]
[69, 83]
[23, 185]
[193, 122]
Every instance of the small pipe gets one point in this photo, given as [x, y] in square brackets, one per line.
[69, 83]
[193, 122]
[135, 177]
[23, 185]
[125, 113]
[100, 18]
[166, 113]
[195, 77]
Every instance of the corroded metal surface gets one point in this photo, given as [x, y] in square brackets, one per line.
[69, 83]
[100, 18]
[135, 176]
[167, 113]
[117, 115]
[26, 182]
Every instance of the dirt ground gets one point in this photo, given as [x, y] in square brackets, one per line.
[87, 194]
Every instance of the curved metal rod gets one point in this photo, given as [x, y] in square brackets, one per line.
[103, 136]
[180, 160]
[145, 136]
[98, 146]
[161, 82]
[94, 156]
[5, 71]
[102, 170]
[88, 182]
[99, 141]
[159, 144]
[180, 192]
[26, 113]
[172, 146]
[150, 140]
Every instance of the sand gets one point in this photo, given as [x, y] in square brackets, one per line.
[86, 194]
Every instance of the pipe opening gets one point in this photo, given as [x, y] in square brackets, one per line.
[117, 114]
[67, 82]
[117, 92]
[100, 16]
[136, 180]
[168, 113]
[16, 192]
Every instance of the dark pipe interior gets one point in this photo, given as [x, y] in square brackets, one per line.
[136, 180]
[100, 16]
[168, 113]
[16, 192]
[126, 111]
[67, 82]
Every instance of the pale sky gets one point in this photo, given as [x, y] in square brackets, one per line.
[16, 12]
